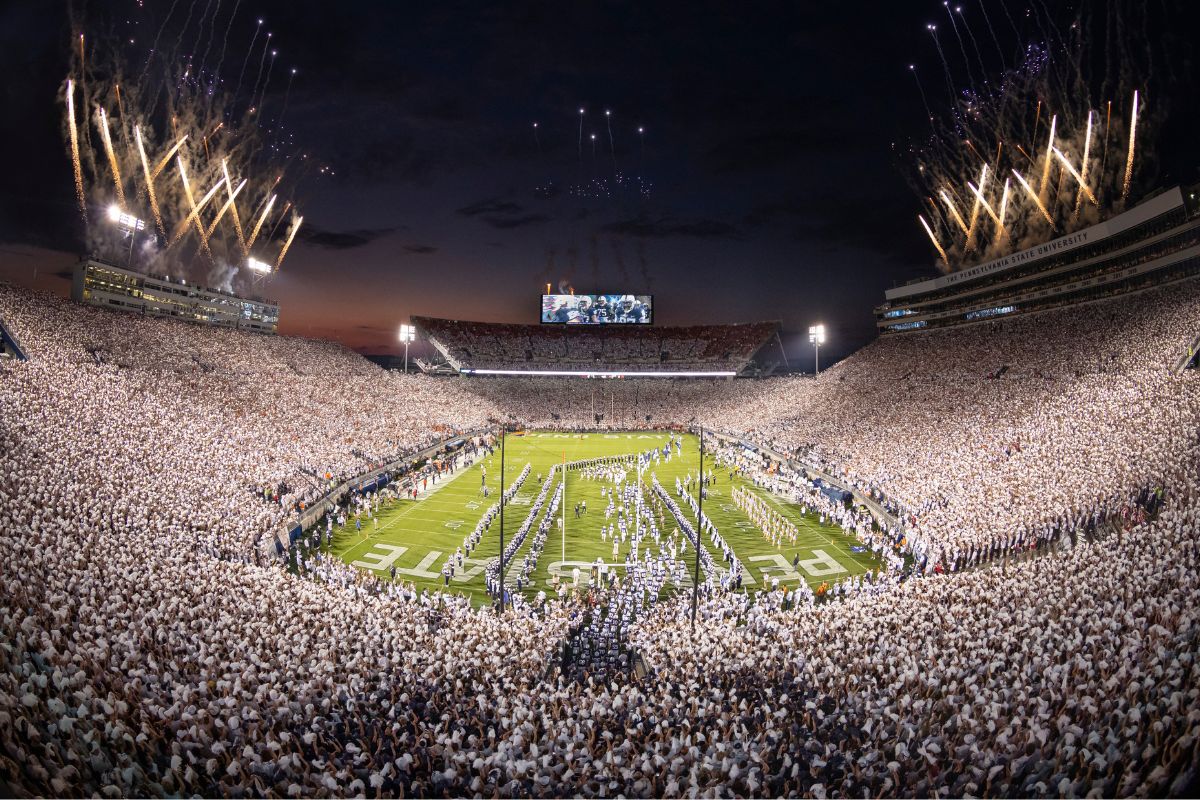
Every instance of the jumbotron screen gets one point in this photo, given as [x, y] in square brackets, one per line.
[598, 309]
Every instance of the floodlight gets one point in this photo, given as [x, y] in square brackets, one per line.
[408, 333]
[816, 335]
[258, 266]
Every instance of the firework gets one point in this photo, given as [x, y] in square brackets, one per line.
[181, 149]
[1133, 118]
[194, 215]
[150, 193]
[1033, 196]
[580, 142]
[1047, 159]
[112, 159]
[1083, 187]
[208, 232]
[74, 135]
[1039, 106]
[288, 243]
[984, 204]
[1083, 172]
[1003, 212]
[258, 225]
[237, 222]
[954, 212]
[933, 239]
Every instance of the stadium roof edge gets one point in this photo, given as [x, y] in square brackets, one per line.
[1168, 200]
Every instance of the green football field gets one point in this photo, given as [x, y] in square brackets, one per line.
[418, 536]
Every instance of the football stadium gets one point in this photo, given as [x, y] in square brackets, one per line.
[591, 545]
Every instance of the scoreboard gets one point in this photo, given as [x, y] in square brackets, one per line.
[597, 309]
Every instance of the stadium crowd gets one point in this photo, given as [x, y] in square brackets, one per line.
[485, 345]
[149, 647]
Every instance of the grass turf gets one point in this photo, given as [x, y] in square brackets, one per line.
[417, 536]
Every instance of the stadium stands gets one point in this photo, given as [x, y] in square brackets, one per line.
[470, 346]
[1152, 244]
[149, 645]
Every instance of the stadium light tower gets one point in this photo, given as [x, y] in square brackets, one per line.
[129, 225]
[407, 334]
[816, 335]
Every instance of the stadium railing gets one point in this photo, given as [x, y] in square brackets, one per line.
[10, 343]
[309, 517]
[882, 515]
[1186, 358]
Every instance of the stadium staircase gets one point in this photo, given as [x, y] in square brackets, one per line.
[1189, 359]
[9, 344]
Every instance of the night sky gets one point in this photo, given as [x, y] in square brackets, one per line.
[774, 189]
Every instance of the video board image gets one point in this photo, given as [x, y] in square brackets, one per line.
[597, 309]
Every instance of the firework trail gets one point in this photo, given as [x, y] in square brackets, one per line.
[263, 98]
[975, 210]
[187, 22]
[75, 162]
[150, 193]
[992, 31]
[1036, 119]
[165, 160]
[157, 37]
[962, 48]
[82, 66]
[974, 44]
[258, 225]
[945, 64]
[991, 212]
[580, 143]
[536, 140]
[1003, 212]
[1047, 160]
[246, 61]
[954, 211]
[611, 150]
[212, 29]
[936, 243]
[1033, 196]
[120, 106]
[112, 158]
[1107, 123]
[287, 97]
[195, 212]
[261, 62]
[237, 221]
[1083, 187]
[225, 43]
[1083, 173]
[288, 243]
[924, 101]
[282, 215]
[212, 226]
[1133, 117]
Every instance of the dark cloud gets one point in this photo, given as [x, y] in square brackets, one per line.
[491, 206]
[343, 240]
[666, 225]
[420, 249]
[505, 223]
